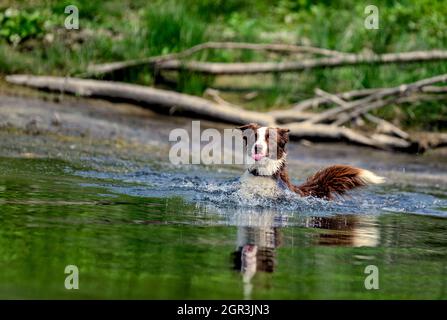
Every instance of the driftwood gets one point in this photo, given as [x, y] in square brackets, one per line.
[330, 59]
[322, 131]
[271, 47]
[386, 127]
[380, 98]
[391, 141]
[388, 134]
[348, 95]
[152, 61]
[383, 125]
[351, 105]
[170, 101]
[319, 101]
[173, 102]
[218, 68]
[432, 140]
[377, 100]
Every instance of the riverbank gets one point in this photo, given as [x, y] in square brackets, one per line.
[48, 125]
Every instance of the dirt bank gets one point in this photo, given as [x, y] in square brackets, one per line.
[38, 124]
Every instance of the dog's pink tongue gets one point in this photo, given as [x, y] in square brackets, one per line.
[258, 156]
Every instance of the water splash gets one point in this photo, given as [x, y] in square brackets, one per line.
[219, 190]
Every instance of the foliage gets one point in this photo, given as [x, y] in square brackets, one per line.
[17, 26]
[120, 30]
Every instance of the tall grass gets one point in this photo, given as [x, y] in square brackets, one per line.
[170, 27]
[141, 28]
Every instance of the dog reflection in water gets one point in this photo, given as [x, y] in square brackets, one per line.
[257, 241]
[258, 236]
[255, 252]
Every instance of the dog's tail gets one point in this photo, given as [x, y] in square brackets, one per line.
[336, 180]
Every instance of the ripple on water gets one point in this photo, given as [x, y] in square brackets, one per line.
[220, 191]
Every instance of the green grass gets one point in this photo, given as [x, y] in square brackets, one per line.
[119, 30]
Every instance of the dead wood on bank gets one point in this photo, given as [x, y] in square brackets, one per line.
[239, 68]
[350, 107]
[320, 58]
[171, 102]
[174, 102]
[156, 62]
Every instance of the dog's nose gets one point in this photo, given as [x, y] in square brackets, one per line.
[258, 148]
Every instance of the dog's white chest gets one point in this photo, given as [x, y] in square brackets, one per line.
[263, 186]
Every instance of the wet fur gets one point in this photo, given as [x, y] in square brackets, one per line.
[264, 177]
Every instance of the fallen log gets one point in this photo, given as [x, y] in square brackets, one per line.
[373, 101]
[432, 140]
[332, 59]
[377, 141]
[219, 68]
[271, 47]
[105, 68]
[280, 116]
[182, 102]
[390, 141]
[170, 101]
[399, 92]
[383, 125]
[349, 95]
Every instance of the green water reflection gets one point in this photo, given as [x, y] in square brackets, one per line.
[157, 248]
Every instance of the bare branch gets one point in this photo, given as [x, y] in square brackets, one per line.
[182, 102]
[213, 93]
[348, 95]
[383, 125]
[170, 101]
[375, 100]
[152, 61]
[219, 68]
[387, 127]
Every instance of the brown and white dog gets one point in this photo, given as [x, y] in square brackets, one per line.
[267, 174]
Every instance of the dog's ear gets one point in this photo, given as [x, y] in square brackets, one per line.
[252, 126]
[283, 136]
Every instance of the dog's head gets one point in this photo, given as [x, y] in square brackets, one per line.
[265, 145]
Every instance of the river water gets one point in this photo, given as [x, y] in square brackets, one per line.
[150, 230]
